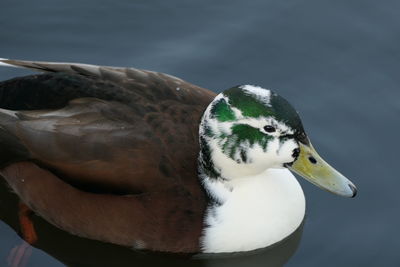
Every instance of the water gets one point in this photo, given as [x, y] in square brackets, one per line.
[337, 61]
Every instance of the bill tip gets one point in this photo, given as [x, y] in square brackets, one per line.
[354, 190]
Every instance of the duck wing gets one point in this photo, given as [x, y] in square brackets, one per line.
[108, 131]
[116, 128]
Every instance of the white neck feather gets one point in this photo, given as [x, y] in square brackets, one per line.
[254, 211]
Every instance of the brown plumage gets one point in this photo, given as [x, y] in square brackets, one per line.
[106, 153]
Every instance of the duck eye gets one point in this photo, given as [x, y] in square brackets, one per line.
[269, 129]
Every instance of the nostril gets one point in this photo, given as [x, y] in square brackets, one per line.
[312, 159]
[296, 153]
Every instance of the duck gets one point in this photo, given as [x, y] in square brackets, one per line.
[146, 160]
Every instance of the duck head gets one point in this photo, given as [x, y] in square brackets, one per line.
[248, 129]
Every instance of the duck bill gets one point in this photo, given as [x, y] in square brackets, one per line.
[313, 168]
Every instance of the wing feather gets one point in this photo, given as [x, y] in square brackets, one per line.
[101, 132]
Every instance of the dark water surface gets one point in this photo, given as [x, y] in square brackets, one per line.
[337, 62]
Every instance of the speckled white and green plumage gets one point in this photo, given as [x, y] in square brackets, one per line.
[257, 202]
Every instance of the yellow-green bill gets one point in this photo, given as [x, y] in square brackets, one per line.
[313, 168]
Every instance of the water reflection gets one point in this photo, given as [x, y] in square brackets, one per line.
[75, 251]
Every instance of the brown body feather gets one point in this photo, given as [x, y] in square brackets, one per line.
[107, 153]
